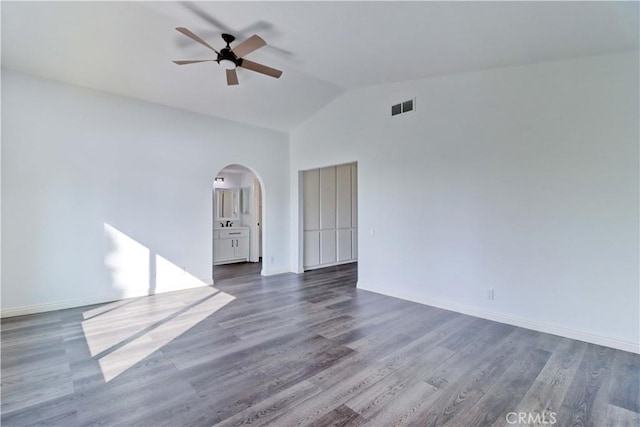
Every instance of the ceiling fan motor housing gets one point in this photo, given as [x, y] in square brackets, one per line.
[227, 55]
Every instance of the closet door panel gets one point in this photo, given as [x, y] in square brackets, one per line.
[311, 248]
[354, 243]
[344, 245]
[328, 198]
[354, 195]
[343, 196]
[327, 247]
[311, 196]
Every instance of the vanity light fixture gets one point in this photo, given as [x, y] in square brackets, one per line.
[219, 179]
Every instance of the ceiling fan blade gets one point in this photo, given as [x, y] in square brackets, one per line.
[196, 38]
[193, 61]
[249, 45]
[232, 77]
[263, 69]
[207, 17]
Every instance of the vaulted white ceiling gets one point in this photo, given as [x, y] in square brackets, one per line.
[323, 48]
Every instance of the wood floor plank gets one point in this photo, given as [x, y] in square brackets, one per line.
[263, 412]
[22, 322]
[341, 416]
[369, 402]
[268, 346]
[470, 356]
[505, 394]
[625, 382]
[33, 393]
[620, 417]
[306, 349]
[61, 411]
[229, 405]
[262, 367]
[402, 410]
[579, 404]
[461, 395]
[548, 390]
[342, 384]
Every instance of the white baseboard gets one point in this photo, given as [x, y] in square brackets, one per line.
[629, 346]
[42, 308]
[62, 305]
[333, 264]
[273, 272]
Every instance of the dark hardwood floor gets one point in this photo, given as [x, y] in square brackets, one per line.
[228, 271]
[305, 349]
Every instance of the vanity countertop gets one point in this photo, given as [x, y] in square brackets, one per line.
[231, 228]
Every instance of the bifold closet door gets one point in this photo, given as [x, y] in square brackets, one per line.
[327, 198]
[344, 245]
[329, 215]
[354, 243]
[354, 211]
[311, 248]
[354, 196]
[311, 207]
[343, 196]
[327, 246]
[343, 212]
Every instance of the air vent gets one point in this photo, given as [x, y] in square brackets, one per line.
[403, 107]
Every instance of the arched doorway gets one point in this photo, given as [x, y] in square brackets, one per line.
[238, 199]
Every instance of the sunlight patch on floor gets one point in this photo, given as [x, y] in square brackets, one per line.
[106, 330]
[123, 333]
[128, 355]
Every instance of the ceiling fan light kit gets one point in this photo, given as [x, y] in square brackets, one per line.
[227, 64]
[232, 58]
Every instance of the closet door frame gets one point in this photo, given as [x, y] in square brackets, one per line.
[332, 218]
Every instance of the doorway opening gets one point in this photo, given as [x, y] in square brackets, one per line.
[237, 199]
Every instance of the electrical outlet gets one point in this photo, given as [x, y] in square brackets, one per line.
[490, 294]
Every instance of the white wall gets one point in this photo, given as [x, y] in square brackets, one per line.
[523, 180]
[106, 197]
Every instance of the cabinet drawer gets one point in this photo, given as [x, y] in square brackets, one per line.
[231, 233]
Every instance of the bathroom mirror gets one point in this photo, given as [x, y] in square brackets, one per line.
[227, 203]
[244, 204]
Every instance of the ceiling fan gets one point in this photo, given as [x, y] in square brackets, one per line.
[231, 58]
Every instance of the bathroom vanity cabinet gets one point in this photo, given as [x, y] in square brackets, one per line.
[230, 244]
